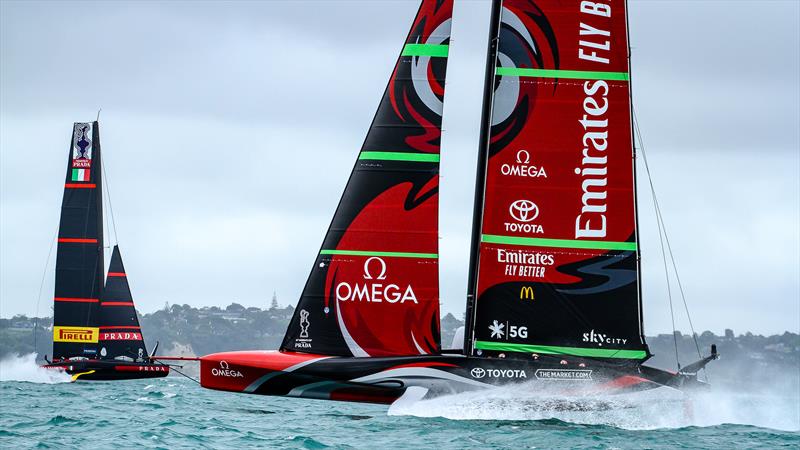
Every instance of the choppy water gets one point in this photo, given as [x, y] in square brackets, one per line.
[175, 412]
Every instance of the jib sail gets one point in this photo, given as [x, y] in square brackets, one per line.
[556, 267]
[79, 258]
[374, 287]
[120, 334]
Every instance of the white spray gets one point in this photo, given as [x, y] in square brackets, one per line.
[653, 409]
[24, 368]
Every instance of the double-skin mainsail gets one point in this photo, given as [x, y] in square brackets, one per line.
[555, 263]
[79, 257]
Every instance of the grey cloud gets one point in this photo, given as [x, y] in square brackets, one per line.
[229, 130]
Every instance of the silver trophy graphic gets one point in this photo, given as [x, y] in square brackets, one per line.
[304, 323]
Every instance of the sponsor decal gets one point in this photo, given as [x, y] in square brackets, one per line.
[523, 212]
[125, 336]
[81, 335]
[224, 370]
[601, 338]
[526, 293]
[479, 372]
[505, 331]
[594, 44]
[497, 330]
[563, 374]
[593, 170]
[375, 290]
[522, 168]
[142, 368]
[81, 147]
[303, 341]
[522, 263]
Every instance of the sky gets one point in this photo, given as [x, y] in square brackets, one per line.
[229, 131]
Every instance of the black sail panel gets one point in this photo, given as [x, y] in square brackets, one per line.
[374, 286]
[120, 334]
[79, 257]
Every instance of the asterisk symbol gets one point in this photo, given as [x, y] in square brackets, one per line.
[497, 329]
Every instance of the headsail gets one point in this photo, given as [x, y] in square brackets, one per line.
[374, 287]
[79, 258]
[120, 334]
[557, 262]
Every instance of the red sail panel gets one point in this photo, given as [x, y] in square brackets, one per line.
[558, 256]
[374, 287]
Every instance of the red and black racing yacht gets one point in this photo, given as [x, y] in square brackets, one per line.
[554, 292]
[96, 332]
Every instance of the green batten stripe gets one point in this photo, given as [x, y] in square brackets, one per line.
[553, 350]
[400, 156]
[369, 253]
[550, 73]
[436, 50]
[565, 243]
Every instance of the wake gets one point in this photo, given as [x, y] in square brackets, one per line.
[646, 410]
[24, 368]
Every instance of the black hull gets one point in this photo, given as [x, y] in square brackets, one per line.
[98, 370]
[383, 380]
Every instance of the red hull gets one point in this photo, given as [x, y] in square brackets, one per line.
[383, 380]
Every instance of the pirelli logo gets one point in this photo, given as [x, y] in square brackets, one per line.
[82, 335]
[526, 293]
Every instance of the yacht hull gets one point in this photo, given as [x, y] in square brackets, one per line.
[92, 369]
[385, 379]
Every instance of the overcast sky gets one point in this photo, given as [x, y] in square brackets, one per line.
[229, 131]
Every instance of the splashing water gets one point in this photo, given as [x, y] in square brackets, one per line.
[646, 410]
[24, 368]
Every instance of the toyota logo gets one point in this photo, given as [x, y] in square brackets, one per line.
[477, 372]
[523, 210]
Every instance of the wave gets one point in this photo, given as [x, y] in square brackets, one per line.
[25, 368]
[646, 410]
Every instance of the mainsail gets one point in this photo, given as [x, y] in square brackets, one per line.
[79, 258]
[555, 267]
[374, 287]
[120, 334]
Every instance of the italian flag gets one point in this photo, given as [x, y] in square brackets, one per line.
[80, 174]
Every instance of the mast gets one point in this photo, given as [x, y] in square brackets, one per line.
[480, 175]
[635, 191]
[79, 256]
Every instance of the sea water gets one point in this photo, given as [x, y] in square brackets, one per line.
[40, 409]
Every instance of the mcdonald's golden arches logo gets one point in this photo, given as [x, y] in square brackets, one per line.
[526, 293]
